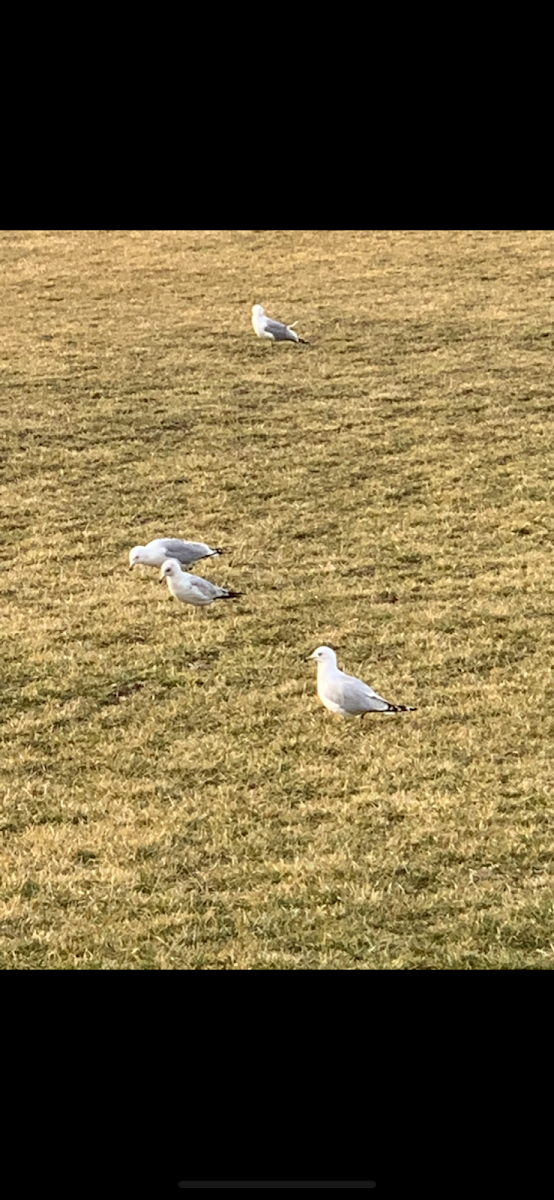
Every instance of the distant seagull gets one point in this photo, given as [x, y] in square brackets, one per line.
[192, 589]
[273, 331]
[157, 552]
[345, 694]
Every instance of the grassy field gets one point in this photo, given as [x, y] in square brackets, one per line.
[173, 794]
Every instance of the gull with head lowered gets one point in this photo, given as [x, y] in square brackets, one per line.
[345, 694]
[156, 552]
[273, 331]
[192, 589]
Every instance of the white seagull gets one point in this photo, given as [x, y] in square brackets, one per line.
[273, 331]
[345, 694]
[192, 589]
[158, 551]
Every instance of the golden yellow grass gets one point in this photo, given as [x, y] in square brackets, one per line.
[173, 794]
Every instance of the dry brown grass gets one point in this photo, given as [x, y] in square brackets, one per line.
[174, 797]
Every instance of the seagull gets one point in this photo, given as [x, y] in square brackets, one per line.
[158, 551]
[345, 694]
[273, 331]
[192, 589]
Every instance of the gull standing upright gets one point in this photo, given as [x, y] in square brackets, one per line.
[345, 694]
[273, 331]
[192, 589]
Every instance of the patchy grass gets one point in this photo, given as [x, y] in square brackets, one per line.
[174, 797]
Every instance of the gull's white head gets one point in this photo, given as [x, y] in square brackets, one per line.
[257, 310]
[170, 567]
[324, 654]
[136, 555]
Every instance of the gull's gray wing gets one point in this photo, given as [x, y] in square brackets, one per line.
[357, 692]
[355, 696]
[211, 591]
[185, 552]
[203, 586]
[280, 332]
